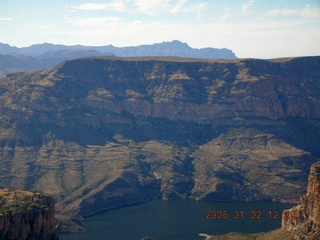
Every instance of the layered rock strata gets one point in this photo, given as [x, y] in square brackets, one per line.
[104, 132]
[26, 215]
[307, 214]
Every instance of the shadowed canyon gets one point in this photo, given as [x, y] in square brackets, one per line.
[103, 132]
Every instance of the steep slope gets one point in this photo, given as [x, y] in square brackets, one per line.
[306, 216]
[26, 215]
[99, 132]
[246, 164]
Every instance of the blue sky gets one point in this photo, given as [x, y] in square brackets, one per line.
[251, 28]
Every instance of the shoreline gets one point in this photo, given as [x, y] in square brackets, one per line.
[204, 235]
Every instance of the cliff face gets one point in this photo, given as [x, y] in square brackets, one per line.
[307, 214]
[26, 215]
[98, 133]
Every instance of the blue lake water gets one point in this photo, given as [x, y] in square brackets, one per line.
[181, 220]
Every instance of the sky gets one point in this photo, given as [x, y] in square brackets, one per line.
[250, 28]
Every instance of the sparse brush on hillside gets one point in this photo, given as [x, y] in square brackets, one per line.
[104, 132]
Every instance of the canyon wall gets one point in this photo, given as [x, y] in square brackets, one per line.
[26, 215]
[307, 214]
[104, 132]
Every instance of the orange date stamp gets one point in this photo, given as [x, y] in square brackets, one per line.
[253, 214]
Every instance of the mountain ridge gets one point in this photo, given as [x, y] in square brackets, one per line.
[173, 48]
[104, 132]
[46, 55]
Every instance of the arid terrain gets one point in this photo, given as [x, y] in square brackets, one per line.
[26, 215]
[102, 132]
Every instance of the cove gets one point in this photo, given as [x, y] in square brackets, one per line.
[181, 220]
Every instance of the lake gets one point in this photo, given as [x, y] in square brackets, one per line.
[181, 220]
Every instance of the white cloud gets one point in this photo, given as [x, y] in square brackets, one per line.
[152, 7]
[94, 23]
[115, 5]
[225, 15]
[246, 6]
[6, 19]
[200, 8]
[294, 37]
[308, 11]
[257, 39]
[147, 7]
[283, 12]
[178, 6]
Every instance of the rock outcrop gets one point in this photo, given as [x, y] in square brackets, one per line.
[104, 132]
[307, 214]
[26, 215]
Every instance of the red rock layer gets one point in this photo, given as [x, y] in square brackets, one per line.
[306, 214]
[26, 215]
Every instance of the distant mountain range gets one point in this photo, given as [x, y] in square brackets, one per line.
[46, 55]
[173, 48]
[11, 64]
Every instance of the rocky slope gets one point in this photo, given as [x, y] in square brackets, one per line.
[26, 215]
[97, 133]
[307, 214]
[246, 164]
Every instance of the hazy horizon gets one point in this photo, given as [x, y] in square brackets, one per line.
[250, 28]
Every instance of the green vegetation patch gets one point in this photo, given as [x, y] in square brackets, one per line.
[18, 200]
